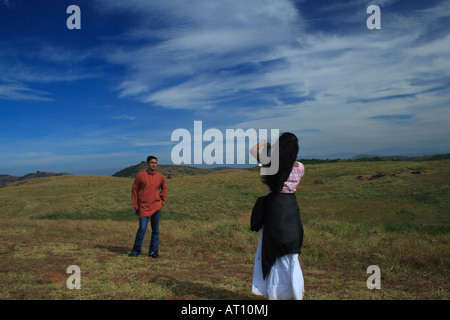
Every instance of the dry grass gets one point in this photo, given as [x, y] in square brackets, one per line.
[399, 221]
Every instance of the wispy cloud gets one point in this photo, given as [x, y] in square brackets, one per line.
[309, 67]
[22, 70]
[197, 62]
[125, 117]
[202, 64]
[261, 62]
[75, 163]
[14, 91]
[7, 3]
[394, 117]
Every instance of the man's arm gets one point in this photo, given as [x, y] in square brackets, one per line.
[163, 193]
[135, 194]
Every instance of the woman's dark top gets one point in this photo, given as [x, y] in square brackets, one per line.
[279, 214]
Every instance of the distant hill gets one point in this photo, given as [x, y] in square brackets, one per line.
[6, 178]
[375, 158]
[171, 171]
[167, 170]
[365, 157]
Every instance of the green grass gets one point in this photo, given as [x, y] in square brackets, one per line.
[355, 215]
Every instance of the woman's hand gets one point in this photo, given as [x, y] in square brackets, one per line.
[254, 151]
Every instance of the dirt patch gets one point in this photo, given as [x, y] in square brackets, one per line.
[245, 217]
[381, 175]
[7, 248]
[409, 173]
[54, 276]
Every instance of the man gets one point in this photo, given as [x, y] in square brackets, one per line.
[149, 196]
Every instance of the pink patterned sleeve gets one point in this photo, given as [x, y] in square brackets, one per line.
[290, 186]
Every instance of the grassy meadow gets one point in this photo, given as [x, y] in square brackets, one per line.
[392, 214]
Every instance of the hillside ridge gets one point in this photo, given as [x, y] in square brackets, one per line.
[167, 170]
[7, 179]
[171, 171]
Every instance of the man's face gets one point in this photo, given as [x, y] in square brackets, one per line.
[152, 164]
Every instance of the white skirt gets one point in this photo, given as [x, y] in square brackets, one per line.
[284, 281]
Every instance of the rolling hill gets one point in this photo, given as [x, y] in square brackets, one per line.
[393, 214]
[168, 171]
[6, 178]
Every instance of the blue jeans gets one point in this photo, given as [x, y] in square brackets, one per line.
[154, 242]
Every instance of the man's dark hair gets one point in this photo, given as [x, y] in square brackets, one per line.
[149, 158]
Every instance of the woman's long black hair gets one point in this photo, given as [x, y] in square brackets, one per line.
[287, 149]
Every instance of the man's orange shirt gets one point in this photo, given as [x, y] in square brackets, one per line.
[149, 193]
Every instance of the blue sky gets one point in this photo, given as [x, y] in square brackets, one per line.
[98, 99]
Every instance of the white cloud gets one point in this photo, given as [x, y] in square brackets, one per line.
[7, 3]
[193, 68]
[21, 70]
[13, 91]
[210, 40]
[248, 56]
[125, 117]
[253, 64]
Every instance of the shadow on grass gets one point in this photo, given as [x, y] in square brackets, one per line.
[188, 290]
[185, 289]
[115, 249]
[117, 215]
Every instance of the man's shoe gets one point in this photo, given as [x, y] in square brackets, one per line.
[132, 254]
[155, 255]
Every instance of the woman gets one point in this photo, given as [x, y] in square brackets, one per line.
[277, 273]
